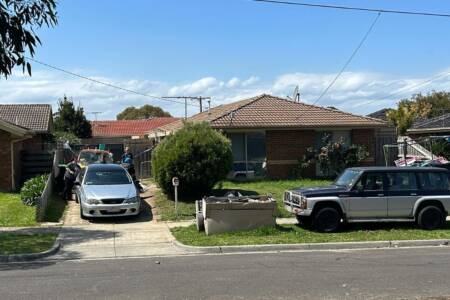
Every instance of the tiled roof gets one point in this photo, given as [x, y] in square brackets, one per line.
[380, 114]
[206, 116]
[36, 117]
[266, 111]
[128, 127]
[432, 123]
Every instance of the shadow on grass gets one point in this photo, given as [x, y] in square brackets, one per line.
[353, 227]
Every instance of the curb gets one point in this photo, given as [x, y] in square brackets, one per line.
[31, 256]
[313, 246]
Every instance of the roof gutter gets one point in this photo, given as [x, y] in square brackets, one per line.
[426, 130]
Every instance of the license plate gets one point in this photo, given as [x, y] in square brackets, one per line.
[114, 209]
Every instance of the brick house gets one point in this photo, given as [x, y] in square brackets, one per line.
[24, 129]
[274, 132]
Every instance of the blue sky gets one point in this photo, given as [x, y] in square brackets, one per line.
[230, 49]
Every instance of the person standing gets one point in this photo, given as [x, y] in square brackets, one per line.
[72, 171]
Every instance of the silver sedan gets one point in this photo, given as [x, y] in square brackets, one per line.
[106, 190]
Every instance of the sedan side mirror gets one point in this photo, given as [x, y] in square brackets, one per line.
[77, 183]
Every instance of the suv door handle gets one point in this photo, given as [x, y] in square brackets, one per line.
[413, 194]
[380, 195]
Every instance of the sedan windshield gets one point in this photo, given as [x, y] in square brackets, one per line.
[107, 177]
[347, 178]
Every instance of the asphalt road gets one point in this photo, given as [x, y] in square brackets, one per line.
[371, 274]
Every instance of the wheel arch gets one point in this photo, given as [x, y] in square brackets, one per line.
[419, 205]
[328, 203]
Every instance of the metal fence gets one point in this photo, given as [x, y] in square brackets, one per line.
[142, 163]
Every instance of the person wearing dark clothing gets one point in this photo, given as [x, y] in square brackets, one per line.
[127, 162]
[127, 157]
[72, 171]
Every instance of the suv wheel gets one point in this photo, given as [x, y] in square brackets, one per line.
[327, 219]
[430, 217]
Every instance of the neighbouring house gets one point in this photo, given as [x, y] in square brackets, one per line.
[270, 134]
[430, 127]
[25, 130]
[115, 135]
[380, 114]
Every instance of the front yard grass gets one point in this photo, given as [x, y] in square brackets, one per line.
[294, 234]
[13, 213]
[25, 243]
[186, 208]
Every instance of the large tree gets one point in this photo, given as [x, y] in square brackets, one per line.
[19, 20]
[144, 112]
[418, 107]
[71, 119]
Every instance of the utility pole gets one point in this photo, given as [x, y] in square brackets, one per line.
[185, 98]
[95, 113]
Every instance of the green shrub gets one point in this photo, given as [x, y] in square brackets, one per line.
[197, 154]
[63, 136]
[32, 189]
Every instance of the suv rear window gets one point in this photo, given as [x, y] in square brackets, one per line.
[433, 181]
[400, 181]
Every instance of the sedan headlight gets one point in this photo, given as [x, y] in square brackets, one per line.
[93, 201]
[132, 200]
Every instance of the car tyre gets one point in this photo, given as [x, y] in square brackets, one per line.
[327, 219]
[431, 217]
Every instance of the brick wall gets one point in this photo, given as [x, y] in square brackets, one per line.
[284, 148]
[5, 166]
[365, 137]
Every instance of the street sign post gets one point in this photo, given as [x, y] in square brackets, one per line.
[176, 183]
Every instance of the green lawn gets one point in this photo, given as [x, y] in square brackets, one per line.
[14, 213]
[293, 234]
[23, 243]
[186, 209]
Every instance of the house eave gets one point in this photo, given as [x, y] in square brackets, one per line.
[429, 130]
[14, 129]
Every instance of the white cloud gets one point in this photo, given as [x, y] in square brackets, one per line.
[357, 92]
[233, 82]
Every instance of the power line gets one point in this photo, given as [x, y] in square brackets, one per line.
[352, 8]
[105, 83]
[414, 86]
[349, 60]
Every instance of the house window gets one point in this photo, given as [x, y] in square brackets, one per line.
[249, 152]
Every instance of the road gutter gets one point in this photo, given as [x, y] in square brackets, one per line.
[311, 246]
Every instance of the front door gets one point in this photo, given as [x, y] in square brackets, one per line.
[368, 198]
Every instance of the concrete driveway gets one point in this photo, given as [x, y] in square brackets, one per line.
[115, 237]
